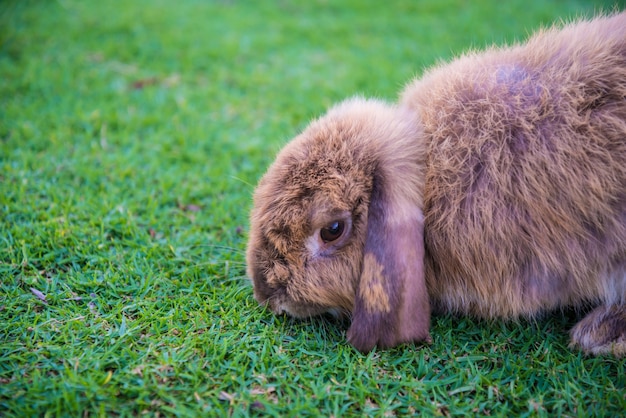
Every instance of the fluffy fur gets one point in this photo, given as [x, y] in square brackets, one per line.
[495, 188]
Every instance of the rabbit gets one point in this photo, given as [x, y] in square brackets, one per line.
[495, 187]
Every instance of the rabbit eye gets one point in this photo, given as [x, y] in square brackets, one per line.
[332, 232]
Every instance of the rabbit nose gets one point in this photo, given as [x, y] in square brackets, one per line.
[278, 309]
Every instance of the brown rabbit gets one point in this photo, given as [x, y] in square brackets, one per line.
[496, 188]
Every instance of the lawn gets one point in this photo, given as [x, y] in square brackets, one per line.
[131, 137]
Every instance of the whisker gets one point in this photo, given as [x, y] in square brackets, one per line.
[251, 186]
[241, 277]
[219, 247]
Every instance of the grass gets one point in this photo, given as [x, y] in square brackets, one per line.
[131, 136]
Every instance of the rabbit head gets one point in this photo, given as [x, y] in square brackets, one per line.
[337, 225]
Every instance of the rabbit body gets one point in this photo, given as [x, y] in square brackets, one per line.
[495, 188]
[525, 179]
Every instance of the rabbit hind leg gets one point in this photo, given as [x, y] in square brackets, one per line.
[602, 331]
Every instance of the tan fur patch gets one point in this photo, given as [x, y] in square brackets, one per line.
[371, 288]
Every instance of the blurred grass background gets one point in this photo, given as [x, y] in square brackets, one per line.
[131, 137]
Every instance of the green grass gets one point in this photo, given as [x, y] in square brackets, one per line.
[131, 137]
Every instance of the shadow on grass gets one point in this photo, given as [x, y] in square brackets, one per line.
[450, 333]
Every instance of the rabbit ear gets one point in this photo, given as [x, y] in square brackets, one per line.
[391, 305]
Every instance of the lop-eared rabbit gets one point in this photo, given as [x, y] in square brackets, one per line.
[495, 188]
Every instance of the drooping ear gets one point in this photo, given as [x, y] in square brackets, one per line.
[391, 305]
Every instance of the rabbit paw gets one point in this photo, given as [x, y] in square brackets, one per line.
[602, 331]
